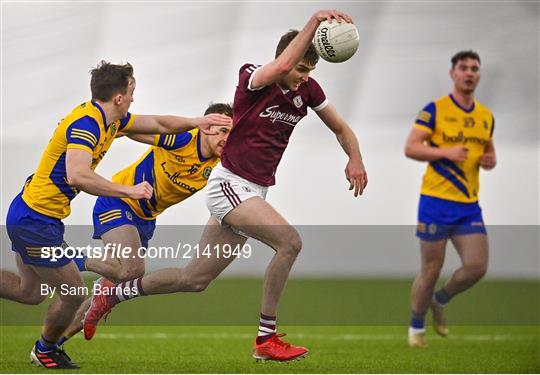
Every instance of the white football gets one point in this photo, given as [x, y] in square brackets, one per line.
[336, 42]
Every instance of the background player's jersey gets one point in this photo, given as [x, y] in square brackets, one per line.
[263, 122]
[47, 190]
[451, 125]
[174, 167]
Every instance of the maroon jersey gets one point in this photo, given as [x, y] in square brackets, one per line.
[264, 120]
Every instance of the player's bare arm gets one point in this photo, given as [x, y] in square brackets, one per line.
[355, 172]
[294, 52]
[148, 139]
[80, 175]
[154, 124]
[417, 148]
[488, 161]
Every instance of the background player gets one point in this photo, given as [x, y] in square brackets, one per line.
[67, 166]
[177, 166]
[454, 134]
[269, 102]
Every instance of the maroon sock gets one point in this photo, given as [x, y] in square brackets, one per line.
[126, 290]
[267, 328]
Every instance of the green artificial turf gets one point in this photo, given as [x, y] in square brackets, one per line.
[349, 325]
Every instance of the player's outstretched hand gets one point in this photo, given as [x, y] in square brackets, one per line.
[206, 123]
[333, 14]
[357, 176]
[488, 160]
[457, 153]
[142, 190]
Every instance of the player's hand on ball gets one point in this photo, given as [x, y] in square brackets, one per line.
[206, 123]
[329, 15]
[356, 175]
[142, 190]
[488, 161]
[457, 153]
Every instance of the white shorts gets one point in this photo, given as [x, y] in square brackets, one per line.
[226, 190]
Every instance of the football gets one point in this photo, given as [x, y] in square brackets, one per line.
[336, 42]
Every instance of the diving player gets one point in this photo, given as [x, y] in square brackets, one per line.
[454, 135]
[269, 102]
[177, 166]
[34, 219]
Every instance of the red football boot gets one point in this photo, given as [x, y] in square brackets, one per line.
[100, 307]
[275, 349]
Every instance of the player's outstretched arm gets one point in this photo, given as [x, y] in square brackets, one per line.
[80, 175]
[417, 148]
[148, 139]
[296, 50]
[488, 161]
[154, 124]
[355, 172]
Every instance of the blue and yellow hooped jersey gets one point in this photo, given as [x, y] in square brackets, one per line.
[47, 190]
[174, 167]
[451, 125]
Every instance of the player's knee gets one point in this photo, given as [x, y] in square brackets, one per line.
[34, 299]
[296, 244]
[292, 245]
[198, 286]
[30, 296]
[477, 271]
[185, 281]
[193, 285]
[431, 272]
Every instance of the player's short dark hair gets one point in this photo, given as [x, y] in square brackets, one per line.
[311, 56]
[109, 79]
[223, 108]
[462, 55]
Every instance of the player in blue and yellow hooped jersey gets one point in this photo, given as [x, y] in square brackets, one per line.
[177, 167]
[454, 135]
[33, 222]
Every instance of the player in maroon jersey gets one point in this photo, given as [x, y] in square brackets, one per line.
[269, 102]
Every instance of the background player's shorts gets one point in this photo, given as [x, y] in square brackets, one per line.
[30, 231]
[110, 213]
[441, 218]
[226, 190]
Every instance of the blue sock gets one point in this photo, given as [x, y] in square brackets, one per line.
[43, 345]
[442, 297]
[81, 262]
[62, 340]
[417, 320]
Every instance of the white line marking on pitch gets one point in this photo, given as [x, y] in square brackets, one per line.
[314, 336]
[300, 335]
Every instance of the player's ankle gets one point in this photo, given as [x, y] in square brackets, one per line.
[43, 345]
[441, 297]
[262, 339]
[267, 328]
[417, 322]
